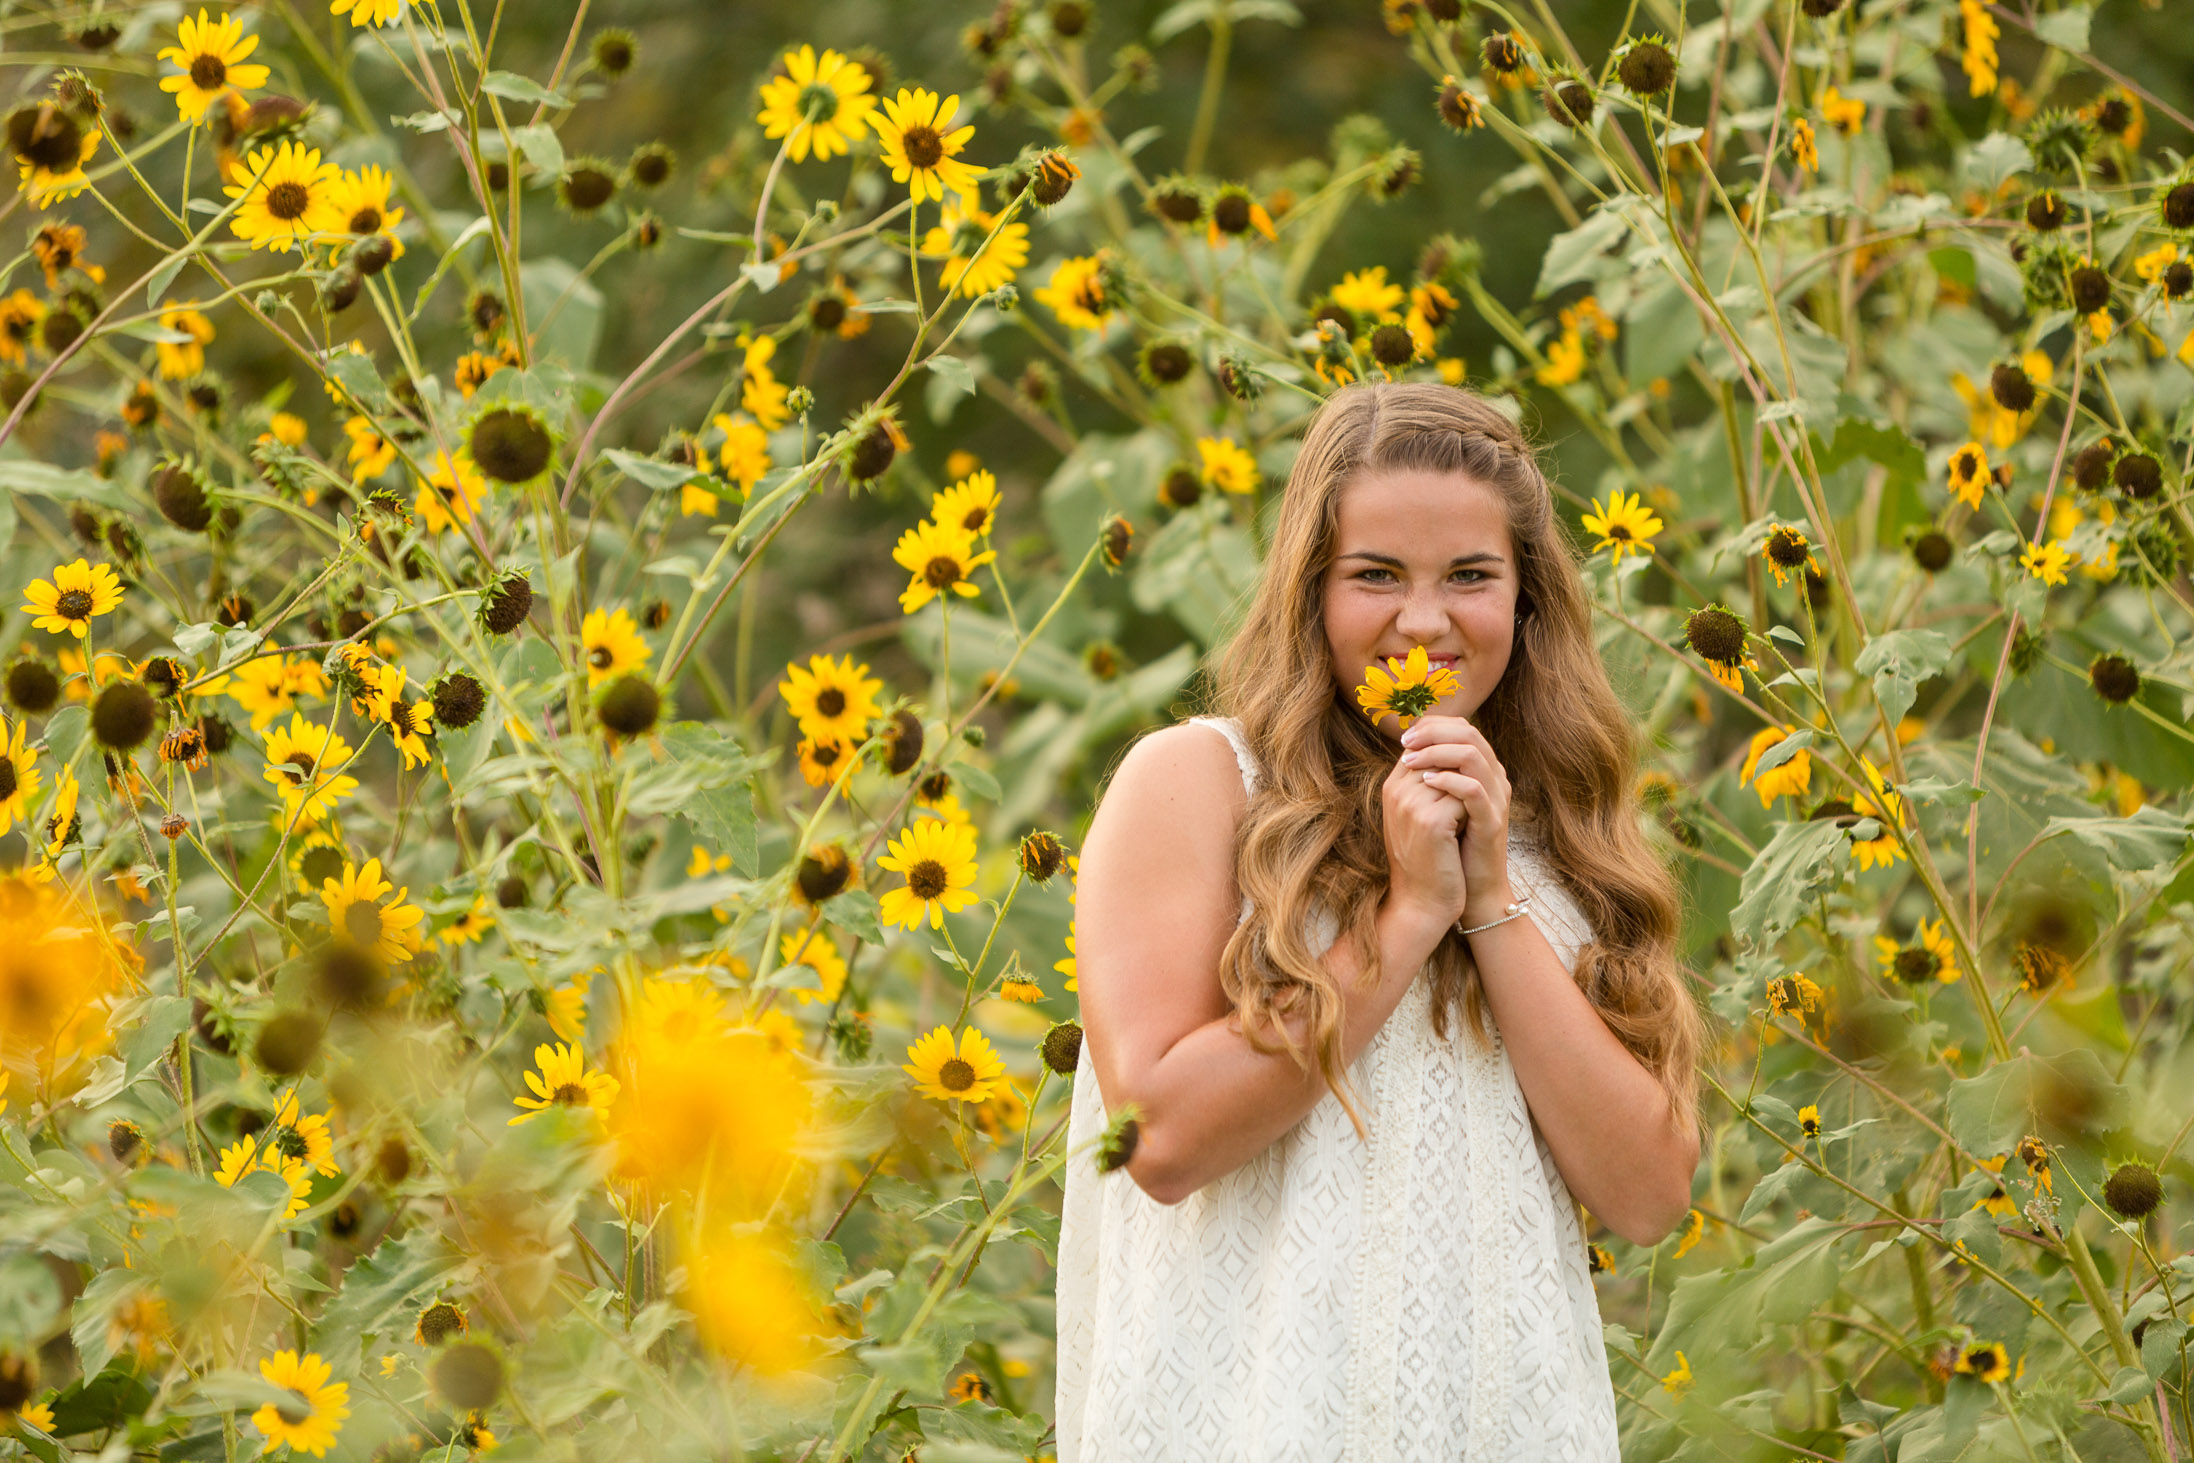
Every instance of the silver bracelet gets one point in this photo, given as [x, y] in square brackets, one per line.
[1510, 911]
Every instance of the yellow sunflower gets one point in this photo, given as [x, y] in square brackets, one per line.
[78, 592]
[1985, 1362]
[613, 645]
[563, 1081]
[823, 759]
[182, 359]
[744, 455]
[1969, 473]
[1789, 779]
[1887, 809]
[971, 504]
[289, 198]
[761, 395]
[1227, 465]
[51, 166]
[370, 452]
[1076, 292]
[821, 956]
[208, 54]
[940, 557]
[2047, 562]
[1626, 525]
[1787, 552]
[921, 146]
[301, 763]
[976, 263]
[269, 685]
[409, 722]
[1367, 293]
[355, 912]
[450, 493]
[249, 1156]
[938, 860]
[61, 823]
[1066, 967]
[361, 203]
[19, 779]
[469, 927]
[1409, 691]
[567, 1008]
[1933, 955]
[19, 317]
[367, 12]
[314, 1413]
[295, 1134]
[833, 697]
[820, 104]
[954, 1071]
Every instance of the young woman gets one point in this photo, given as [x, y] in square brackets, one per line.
[1346, 1228]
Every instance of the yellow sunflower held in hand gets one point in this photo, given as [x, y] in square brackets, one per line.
[921, 146]
[938, 859]
[819, 104]
[962, 1071]
[1409, 691]
[78, 592]
[564, 1081]
[613, 645]
[309, 1421]
[289, 199]
[208, 54]
[940, 557]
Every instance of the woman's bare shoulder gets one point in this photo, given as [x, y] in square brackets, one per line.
[1173, 801]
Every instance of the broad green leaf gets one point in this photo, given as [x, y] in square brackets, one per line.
[650, 473]
[1799, 859]
[1899, 660]
[510, 86]
[1572, 255]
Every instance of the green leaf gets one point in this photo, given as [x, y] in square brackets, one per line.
[2129, 1385]
[1890, 446]
[1783, 751]
[1899, 660]
[510, 86]
[377, 1287]
[1572, 255]
[541, 146]
[2066, 29]
[1799, 859]
[857, 913]
[2150, 839]
[722, 812]
[2065, 1096]
[649, 473]
[1995, 158]
[163, 278]
[951, 379]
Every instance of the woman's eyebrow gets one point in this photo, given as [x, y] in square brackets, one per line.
[1480, 557]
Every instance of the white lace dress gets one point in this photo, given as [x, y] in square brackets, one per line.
[1423, 1296]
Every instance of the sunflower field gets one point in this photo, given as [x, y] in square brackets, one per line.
[574, 571]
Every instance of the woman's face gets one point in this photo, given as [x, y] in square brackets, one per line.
[1422, 558]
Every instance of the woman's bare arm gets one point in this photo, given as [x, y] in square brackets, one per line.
[1155, 904]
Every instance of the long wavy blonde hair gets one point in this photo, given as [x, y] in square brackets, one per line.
[1313, 835]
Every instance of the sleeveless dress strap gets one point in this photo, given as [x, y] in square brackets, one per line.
[1243, 757]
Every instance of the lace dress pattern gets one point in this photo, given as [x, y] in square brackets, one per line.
[1422, 1296]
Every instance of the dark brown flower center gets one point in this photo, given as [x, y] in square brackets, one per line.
[208, 72]
[400, 717]
[923, 147]
[600, 657]
[977, 520]
[830, 701]
[8, 779]
[1914, 965]
[74, 604]
[366, 220]
[956, 1076]
[941, 572]
[927, 879]
[362, 922]
[288, 200]
[303, 764]
[571, 1094]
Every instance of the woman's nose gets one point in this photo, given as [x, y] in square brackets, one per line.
[1421, 614]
